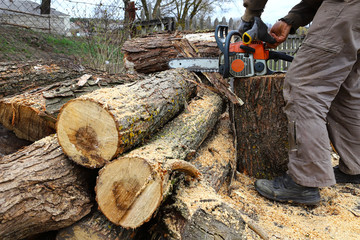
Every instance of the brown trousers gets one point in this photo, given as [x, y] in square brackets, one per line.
[322, 94]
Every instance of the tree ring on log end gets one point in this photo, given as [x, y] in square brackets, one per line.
[87, 133]
[128, 191]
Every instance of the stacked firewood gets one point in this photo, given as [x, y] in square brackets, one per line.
[110, 151]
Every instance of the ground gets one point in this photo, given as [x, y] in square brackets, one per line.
[336, 217]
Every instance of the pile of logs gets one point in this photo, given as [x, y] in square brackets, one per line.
[114, 157]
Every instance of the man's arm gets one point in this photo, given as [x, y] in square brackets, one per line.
[253, 8]
[301, 14]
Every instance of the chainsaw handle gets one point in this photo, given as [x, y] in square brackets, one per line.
[221, 33]
[225, 69]
[280, 56]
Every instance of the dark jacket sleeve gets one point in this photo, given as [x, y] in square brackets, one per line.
[302, 14]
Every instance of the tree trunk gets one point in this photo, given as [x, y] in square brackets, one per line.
[59, 94]
[17, 77]
[96, 127]
[152, 53]
[45, 7]
[41, 190]
[32, 115]
[196, 211]
[261, 126]
[130, 189]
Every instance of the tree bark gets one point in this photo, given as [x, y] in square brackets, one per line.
[32, 115]
[130, 189]
[96, 127]
[95, 226]
[261, 126]
[17, 77]
[41, 190]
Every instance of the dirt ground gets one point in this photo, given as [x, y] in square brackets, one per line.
[336, 217]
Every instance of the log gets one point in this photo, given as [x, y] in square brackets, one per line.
[130, 189]
[17, 77]
[94, 128]
[22, 115]
[59, 94]
[152, 53]
[41, 190]
[196, 211]
[32, 114]
[261, 126]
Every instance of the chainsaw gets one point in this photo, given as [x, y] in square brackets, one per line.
[237, 59]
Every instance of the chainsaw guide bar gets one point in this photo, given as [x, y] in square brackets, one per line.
[196, 64]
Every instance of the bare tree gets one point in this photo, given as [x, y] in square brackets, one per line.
[180, 9]
[45, 7]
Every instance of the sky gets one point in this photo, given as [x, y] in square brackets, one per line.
[274, 10]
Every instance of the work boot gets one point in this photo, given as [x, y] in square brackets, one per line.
[284, 189]
[345, 178]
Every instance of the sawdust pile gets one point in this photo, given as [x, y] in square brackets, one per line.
[336, 217]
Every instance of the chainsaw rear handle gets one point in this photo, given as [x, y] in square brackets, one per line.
[221, 32]
[225, 69]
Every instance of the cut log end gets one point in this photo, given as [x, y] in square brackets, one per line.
[128, 191]
[92, 138]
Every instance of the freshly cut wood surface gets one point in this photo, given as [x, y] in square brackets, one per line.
[96, 127]
[131, 188]
[41, 190]
[22, 114]
[261, 126]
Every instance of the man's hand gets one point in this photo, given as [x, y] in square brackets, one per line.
[245, 26]
[280, 32]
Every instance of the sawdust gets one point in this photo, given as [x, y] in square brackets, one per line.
[336, 217]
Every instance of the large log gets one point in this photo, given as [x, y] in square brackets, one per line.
[130, 189]
[152, 53]
[261, 126]
[41, 190]
[17, 77]
[95, 128]
[195, 211]
[59, 94]
[32, 114]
